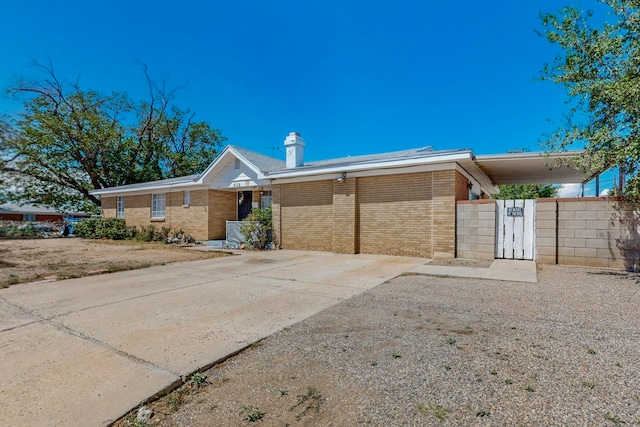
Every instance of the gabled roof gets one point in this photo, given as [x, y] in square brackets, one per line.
[11, 208]
[262, 162]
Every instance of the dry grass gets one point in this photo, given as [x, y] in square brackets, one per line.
[59, 258]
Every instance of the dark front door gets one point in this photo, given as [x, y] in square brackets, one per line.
[244, 204]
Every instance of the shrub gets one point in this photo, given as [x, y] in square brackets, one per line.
[103, 228]
[256, 228]
[151, 233]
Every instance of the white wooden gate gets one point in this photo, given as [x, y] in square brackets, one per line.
[516, 234]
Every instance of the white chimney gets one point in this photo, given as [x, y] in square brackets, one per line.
[295, 150]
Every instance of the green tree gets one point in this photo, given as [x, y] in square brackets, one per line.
[525, 191]
[69, 141]
[599, 66]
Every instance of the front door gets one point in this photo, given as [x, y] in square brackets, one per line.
[515, 234]
[245, 199]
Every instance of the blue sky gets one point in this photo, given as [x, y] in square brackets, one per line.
[353, 77]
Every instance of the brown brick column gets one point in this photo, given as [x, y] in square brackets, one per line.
[345, 216]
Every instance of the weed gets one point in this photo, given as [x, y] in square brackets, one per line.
[396, 355]
[173, 402]
[493, 372]
[614, 419]
[224, 380]
[447, 367]
[134, 422]
[529, 389]
[374, 363]
[483, 413]
[213, 407]
[618, 365]
[508, 381]
[311, 400]
[284, 392]
[198, 379]
[451, 341]
[256, 344]
[251, 413]
[591, 351]
[588, 384]
[436, 411]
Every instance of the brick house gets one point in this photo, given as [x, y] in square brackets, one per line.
[394, 203]
[31, 213]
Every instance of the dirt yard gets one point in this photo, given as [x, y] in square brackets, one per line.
[437, 351]
[63, 258]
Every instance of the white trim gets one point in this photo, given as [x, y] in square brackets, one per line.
[375, 172]
[365, 166]
[146, 190]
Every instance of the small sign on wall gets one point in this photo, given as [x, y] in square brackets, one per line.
[515, 211]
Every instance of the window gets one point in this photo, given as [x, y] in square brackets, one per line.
[157, 205]
[120, 207]
[237, 164]
[265, 199]
[29, 217]
[187, 198]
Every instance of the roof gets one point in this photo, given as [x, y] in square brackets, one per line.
[532, 168]
[262, 162]
[159, 183]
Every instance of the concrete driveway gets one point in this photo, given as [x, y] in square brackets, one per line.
[85, 351]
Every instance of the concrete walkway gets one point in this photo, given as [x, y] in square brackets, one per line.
[500, 269]
[83, 352]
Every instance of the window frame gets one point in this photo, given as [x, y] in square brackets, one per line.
[158, 205]
[186, 198]
[266, 195]
[119, 206]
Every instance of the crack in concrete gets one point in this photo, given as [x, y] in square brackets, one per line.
[78, 334]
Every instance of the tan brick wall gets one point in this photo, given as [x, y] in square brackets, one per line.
[108, 207]
[137, 210]
[596, 232]
[476, 229]
[443, 208]
[395, 214]
[222, 206]
[192, 219]
[276, 223]
[462, 189]
[306, 215]
[345, 216]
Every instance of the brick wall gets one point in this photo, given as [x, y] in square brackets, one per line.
[462, 189]
[108, 207]
[443, 235]
[306, 215]
[345, 217]
[192, 218]
[222, 206]
[599, 232]
[395, 213]
[476, 229]
[137, 210]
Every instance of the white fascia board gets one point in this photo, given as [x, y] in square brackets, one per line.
[228, 150]
[148, 190]
[347, 168]
[364, 173]
[471, 171]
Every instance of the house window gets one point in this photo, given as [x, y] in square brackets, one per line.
[237, 164]
[120, 207]
[187, 198]
[157, 205]
[29, 217]
[265, 200]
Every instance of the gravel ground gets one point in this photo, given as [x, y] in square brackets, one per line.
[422, 351]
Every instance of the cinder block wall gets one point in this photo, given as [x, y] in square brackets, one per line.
[476, 229]
[599, 232]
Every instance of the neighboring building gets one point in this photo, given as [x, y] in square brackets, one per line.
[396, 203]
[13, 212]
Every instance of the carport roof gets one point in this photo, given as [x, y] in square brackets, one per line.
[532, 168]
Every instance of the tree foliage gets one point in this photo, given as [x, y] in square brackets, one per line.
[526, 191]
[256, 228]
[599, 66]
[70, 140]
